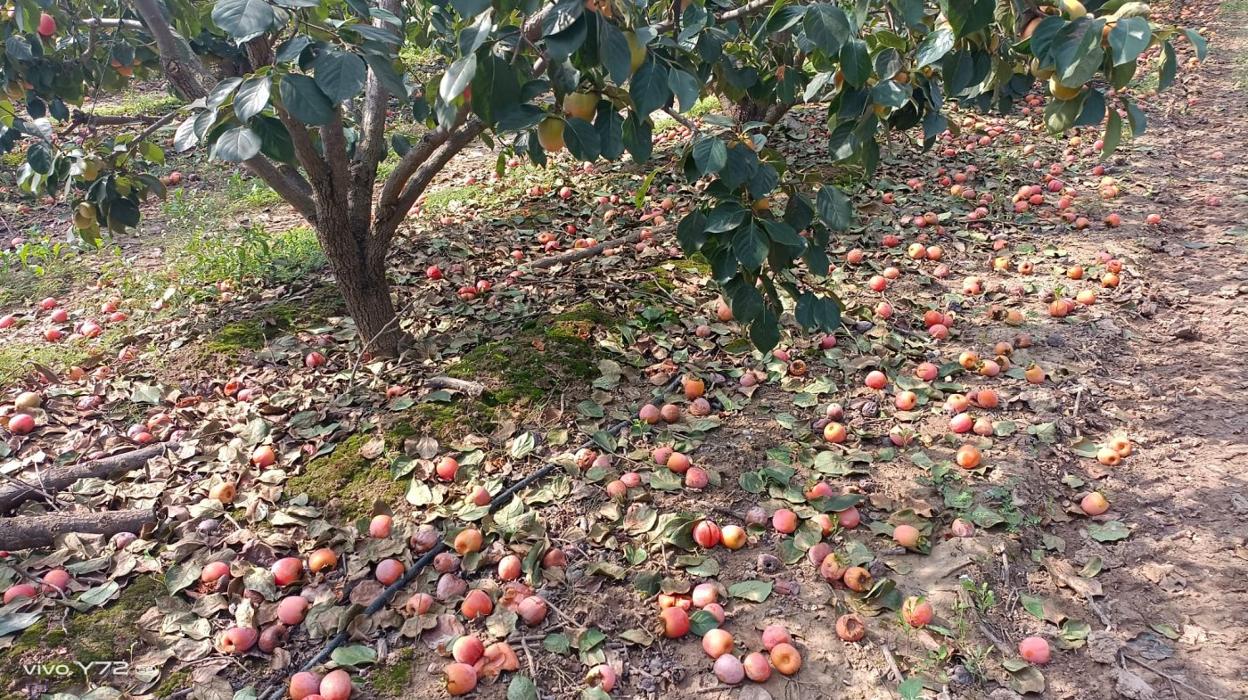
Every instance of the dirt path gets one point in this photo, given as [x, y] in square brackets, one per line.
[1177, 387]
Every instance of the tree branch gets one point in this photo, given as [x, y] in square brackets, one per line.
[372, 146]
[408, 164]
[334, 143]
[288, 183]
[384, 229]
[748, 8]
[181, 65]
[112, 22]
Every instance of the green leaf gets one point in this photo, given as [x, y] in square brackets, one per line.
[251, 99]
[354, 655]
[691, 232]
[1113, 134]
[1111, 531]
[275, 140]
[17, 48]
[765, 330]
[649, 88]
[855, 62]
[305, 101]
[180, 576]
[968, 16]
[834, 208]
[522, 688]
[726, 216]
[610, 128]
[702, 622]
[340, 75]
[39, 157]
[638, 139]
[1060, 115]
[1198, 42]
[754, 591]
[750, 245]
[236, 145]
[710, 155]
[16, 622]
[933, 48]
[244, 20]
[1169, 67]
[1077, 51]
[910, 688]
[613, 52]
[890, 93]
[815, 312]
[1128, 39]
[557, 643]
[99, 595]
[685, 87]
[582, 139]
[457, 78]
[1135, 116]
[827, 27]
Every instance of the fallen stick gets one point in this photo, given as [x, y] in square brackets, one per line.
[460, 385]
[1168, 677]
[582, 253]
[33, 531]
[57, 478]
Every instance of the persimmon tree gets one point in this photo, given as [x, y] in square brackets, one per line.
[312, 117]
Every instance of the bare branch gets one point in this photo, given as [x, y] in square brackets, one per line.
[372, 146]
[112, 22]
[747, 9]
[407, 165]
[384, 229]
[680, 119]
[288, 183]
[183, 68]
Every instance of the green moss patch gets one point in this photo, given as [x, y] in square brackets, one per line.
[543, 359]
[393, 679]
[103, 634]
[348, 480]
[267, 322]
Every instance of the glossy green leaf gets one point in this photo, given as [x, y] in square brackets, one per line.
[340, 75]
[305, 101]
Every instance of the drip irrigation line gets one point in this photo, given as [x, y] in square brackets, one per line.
[277, 690]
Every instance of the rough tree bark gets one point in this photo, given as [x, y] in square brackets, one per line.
[33, 531]
[186, 73]
[747, 110]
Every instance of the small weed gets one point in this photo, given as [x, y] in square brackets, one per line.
[249, 193]
[250, 254]
[981, 594]
[41, 267]
[149, 103]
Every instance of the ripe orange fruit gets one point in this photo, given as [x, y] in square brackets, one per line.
[968, 456]
[1108, 457]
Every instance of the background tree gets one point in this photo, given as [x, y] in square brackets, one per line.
[310, 117]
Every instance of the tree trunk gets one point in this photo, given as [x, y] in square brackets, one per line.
[360, 271]
[187, 75]
[748, 110]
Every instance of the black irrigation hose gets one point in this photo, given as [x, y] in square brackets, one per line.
[503, 498]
